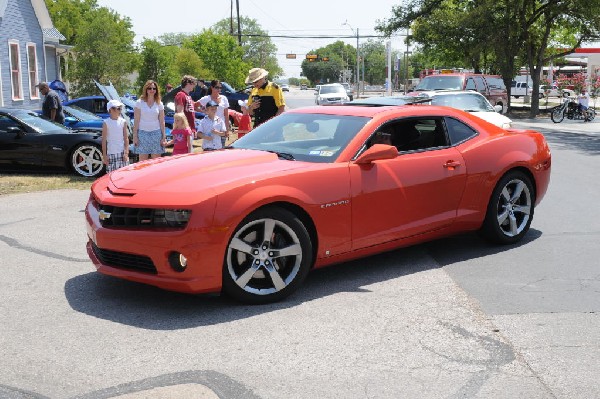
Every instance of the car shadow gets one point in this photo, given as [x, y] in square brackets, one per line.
[148, 307]
[586, 143]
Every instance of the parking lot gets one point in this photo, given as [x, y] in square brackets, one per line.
[454, 318]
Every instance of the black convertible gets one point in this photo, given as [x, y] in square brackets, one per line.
[28, 142]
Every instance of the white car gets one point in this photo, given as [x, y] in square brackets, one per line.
[473, 102]
[333, 93]
[555, 93]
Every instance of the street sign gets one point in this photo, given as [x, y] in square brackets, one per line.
[311, 57]
[290, 56]
[325, 59]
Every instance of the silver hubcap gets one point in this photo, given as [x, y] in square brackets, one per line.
[264, 256]
[514, 208]
[87, 160]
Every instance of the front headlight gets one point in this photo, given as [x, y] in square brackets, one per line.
[171, 217]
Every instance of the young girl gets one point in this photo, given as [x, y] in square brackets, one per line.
[115, 138]
[182, 135]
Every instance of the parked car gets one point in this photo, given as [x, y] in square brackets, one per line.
[29, 142]
[553, 91]
[333, 93]
[308, 189]
[77, 118]
[473, 102]
[97, 105]
[285, 87]
[385, 100]
[303, 87]
[520, 89]
[349, 90]
[490, 86]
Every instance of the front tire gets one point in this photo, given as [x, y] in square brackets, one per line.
[267, 258]
[557, 115]
[86, 160]
[510, 210]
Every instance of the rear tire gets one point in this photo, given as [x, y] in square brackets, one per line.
[510, 210]
[86, 160]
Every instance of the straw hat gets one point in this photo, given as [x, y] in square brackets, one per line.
[256, 74]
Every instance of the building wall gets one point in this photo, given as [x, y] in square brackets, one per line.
[19, 24]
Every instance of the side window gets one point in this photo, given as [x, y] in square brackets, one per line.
[99, 106]
[470, 84]
[480, 84]
[6, 122]
[413, 134]
[458, 131]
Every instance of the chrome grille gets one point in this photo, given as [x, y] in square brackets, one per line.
[123, 260]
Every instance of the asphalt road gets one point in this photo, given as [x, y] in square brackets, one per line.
[456, 318]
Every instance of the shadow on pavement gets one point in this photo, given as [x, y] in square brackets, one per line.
[151, 308]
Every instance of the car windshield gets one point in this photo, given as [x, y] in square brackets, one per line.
[227, 88]
[37, 122]
[466, 102]
[304, 137]
[440, 83]
[80, 113]
[332, 90]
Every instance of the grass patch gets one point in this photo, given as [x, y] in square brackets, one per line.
[12, 183]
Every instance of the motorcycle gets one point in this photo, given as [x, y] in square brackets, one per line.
[570, 109]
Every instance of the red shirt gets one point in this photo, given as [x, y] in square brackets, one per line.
[181, 140]
[182, 98]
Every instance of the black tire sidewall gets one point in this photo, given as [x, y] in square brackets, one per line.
[490, 229]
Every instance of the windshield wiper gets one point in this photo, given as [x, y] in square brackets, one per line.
[283, 155]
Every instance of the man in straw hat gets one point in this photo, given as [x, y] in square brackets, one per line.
[266, 98]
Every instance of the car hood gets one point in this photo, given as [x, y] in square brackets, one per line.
[333, 95]
[494, 118]
[198, 172]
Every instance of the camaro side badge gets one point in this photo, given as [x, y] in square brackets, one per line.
[104, 215]
[342, 202]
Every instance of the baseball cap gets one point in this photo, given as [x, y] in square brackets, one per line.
[212, 103]
[113, 104]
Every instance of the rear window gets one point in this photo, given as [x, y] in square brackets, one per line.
[495, 82]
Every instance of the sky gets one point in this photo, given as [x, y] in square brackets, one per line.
[151, 18]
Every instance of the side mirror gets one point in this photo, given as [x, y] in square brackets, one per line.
[498, 108]
[377, 152]
[69, 120]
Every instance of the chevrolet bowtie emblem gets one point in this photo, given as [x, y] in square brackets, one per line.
[104, 215]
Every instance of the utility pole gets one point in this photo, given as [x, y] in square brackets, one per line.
[237, 6]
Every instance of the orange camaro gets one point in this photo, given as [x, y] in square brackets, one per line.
[309, 188]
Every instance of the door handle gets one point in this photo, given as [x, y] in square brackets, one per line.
[451, 164]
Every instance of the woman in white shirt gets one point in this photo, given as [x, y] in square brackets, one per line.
[149, 123]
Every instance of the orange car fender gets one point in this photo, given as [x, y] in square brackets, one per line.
[329, 217]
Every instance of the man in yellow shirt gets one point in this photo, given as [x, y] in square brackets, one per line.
[266, 98]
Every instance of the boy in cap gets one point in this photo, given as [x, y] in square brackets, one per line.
[115, 138]
[266, 98]
[211, 128]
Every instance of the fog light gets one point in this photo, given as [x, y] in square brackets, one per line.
[177, 261]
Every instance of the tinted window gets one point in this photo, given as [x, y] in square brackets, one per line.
[306, 137]
[480, 84]
[6, 122]
[440, 82]
[495, 83]
[470, 84]
[414, 134]
[458, 131]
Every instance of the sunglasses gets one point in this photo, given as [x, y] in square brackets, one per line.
[151, 88]
[117, 108]
[218, 87]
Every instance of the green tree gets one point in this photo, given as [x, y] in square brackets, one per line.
[492, 35]
[68, 16]
[103, 44]
[187, 62]
[259, 50]
[221, 55]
